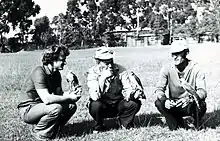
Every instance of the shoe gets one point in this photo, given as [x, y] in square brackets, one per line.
[129, 127]
[190, 122]
[121, 126]
[99, 128]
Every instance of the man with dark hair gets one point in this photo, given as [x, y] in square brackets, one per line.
[111, 91]
[187, 89]
[43, 102]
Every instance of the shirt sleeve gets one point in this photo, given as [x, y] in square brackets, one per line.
[130, 82]
[127, 87]
[93, 85]
[162, 82]
[39, 78]
[201, 85]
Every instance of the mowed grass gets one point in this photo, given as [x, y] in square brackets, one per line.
[145, 62]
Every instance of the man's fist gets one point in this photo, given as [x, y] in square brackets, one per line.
[74, 97]
[77, 90]
[107, 73]
[169, 104]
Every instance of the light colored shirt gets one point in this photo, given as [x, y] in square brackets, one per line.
[115, 88]
[170, 78]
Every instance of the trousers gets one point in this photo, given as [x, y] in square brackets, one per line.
[47, 119]
[124, 110]
[174, 116]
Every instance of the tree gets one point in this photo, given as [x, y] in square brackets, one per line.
[81, 18]
[89, 22]
[210, 22]
[17, 13]
[175, 12]
[14, 44]
[43, 33]
[3, 44]
[60, 26]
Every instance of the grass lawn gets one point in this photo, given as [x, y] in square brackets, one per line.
[145, 62]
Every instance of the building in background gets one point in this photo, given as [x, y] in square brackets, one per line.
[130, 38]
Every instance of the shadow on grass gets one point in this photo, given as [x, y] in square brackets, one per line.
[211, 120]
[78, 129]
[146, 120]
[85, 127]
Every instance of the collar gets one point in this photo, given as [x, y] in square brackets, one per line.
[190, 65]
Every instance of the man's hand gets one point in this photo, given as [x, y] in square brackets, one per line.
[74, 97]
[183, 102]
[75, 94]
[191, 90]
[78, 90]
[134, 95]
[127, 97]
[169, 104]
[106, 73]
[139, 94]
[94, 97]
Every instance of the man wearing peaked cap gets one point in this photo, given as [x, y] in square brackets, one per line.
[104, 53]
[179, 46]
[111, 92]
[186, 89]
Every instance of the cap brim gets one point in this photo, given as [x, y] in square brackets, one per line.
[104, 57]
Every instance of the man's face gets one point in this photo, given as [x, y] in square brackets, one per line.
[178, 58]
[106, 64]
[60, 63]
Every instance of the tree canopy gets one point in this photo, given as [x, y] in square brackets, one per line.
[17, 13]
[89, 23]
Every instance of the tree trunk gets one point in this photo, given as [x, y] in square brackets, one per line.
[199, 38]
[2, 46]
[217, 39]
[82, 43]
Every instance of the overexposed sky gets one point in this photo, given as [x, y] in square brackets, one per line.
[49, 8]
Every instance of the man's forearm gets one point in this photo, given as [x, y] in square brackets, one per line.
[190, 89]
[94, 89]
[57, 99]
[193, 92]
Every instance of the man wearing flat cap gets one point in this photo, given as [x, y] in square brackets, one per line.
[108, 87]
[186, 89]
